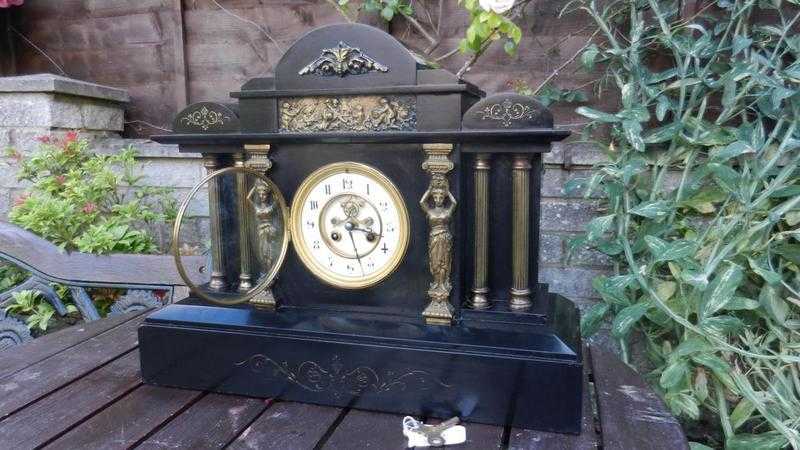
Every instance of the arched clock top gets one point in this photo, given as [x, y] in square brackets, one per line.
[206, 118]
[507, 111]
[345, 56]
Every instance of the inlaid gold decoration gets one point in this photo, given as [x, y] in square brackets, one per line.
[480, 288]
[348, 113]
[520, 232]
[341, 61]
[506, 112]
[439, 205]
[338, 380]
[205, 118]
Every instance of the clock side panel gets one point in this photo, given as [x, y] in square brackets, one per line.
[404, 291]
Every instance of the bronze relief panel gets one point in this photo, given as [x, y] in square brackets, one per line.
[348, 113]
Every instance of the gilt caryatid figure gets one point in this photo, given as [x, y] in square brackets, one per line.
[439, 204]
[263, 204]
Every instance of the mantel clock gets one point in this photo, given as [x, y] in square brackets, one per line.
[368, 236]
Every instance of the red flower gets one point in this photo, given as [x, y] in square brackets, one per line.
[42, 139]
[72, 136]
[10, 3]
[89, 208]
[61, 179]
[21, 199]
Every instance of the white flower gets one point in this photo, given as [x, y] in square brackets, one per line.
[498, 6]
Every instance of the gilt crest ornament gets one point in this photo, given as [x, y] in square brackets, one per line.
[205, 118]
[341, 61]
[507, 112]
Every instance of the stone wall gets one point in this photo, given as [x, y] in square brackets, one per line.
[50, 105]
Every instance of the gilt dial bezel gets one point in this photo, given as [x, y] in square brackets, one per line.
[302, 247]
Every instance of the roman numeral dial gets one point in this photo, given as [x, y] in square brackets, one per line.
[350, 225]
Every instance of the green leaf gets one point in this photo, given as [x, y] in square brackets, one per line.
[663, 134]
[597, 115]
[588, 57]
[698, 446]
[612, 289]
[727, 178]
[592, 318]
[510, 47]
[743, 410]
[655, 209]
[740, 43]
[682, 404]
[765, 441]
[773, 304]
[627, 318]
[598, 226]
[733, 150]
[684, 82]
[674, 373]
[662, 107]
[764, 272]
[690, 346]
[791, 252]
[701, 385]
[741, 304]
[721, 325]
[388, 13]
[670, 251]
[721, 290]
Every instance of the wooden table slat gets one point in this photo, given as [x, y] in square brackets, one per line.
[366, 429]
[531, 439]
[631, 414]
[17, 358]
[45, 419]
[40, 379]
[128, 420]
[210, 423]
[287, 425]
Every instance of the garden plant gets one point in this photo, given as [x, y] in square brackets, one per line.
[86, 202]
[701, 197]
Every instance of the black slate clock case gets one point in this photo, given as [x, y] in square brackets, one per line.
[371, 348]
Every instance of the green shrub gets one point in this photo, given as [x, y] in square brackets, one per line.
[86, 202]
[92, 203]
[702, 202]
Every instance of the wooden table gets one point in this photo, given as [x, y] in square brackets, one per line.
[80, 388]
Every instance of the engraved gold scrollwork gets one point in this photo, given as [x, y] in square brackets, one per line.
[439, 204]
[205, 118]
[348, 113]
[341, 61]
[506, 112]
[337, 380]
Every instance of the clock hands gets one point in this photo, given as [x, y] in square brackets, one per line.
[349, 227]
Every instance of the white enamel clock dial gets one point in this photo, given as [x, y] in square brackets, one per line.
[350, 226]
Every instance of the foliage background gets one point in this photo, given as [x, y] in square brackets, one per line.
[702, 197]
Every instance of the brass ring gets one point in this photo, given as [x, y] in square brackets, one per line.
[262, 285]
